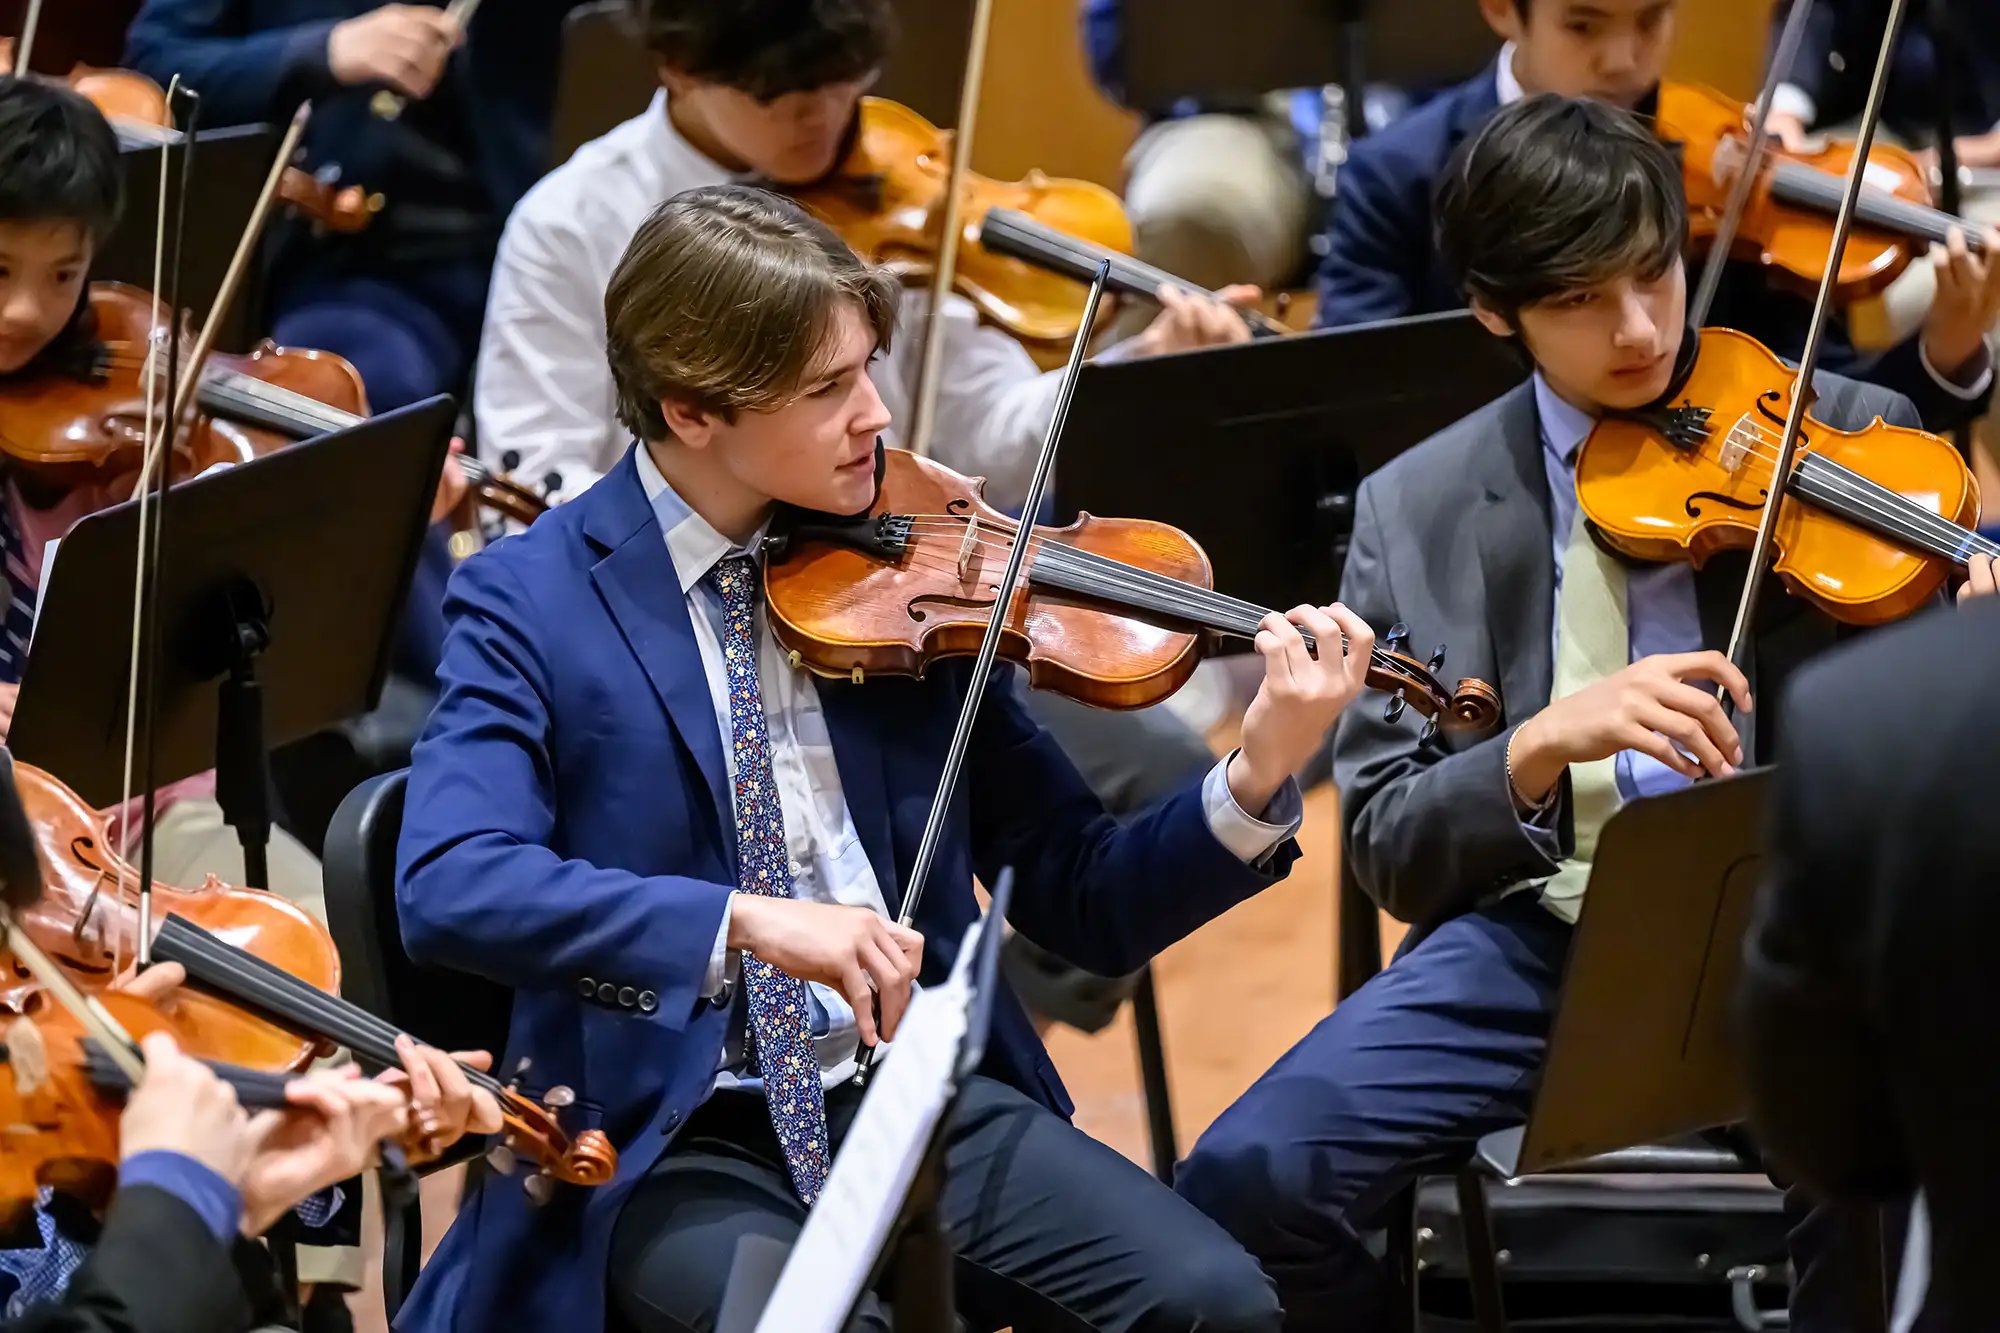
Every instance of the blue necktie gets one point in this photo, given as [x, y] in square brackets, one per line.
[17, 619]
[780, 1017]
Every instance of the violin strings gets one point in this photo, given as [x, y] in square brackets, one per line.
[1900, 515]
[246, 978]
[1110, 579]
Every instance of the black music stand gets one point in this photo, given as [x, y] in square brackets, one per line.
[281, 583]
[1642, 1049]
[1255, 449]
[229, 170]
[1175, 49]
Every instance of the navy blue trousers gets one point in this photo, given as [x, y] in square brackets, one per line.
[1440, 1049]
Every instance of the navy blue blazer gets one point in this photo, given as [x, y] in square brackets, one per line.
[1382, 259]
[568, 819]
[256, 60]
[1837, 56]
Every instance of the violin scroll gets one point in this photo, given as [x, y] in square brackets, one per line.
[1473, 706]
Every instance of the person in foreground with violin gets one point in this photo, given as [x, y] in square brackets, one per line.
[1380, 263]
[1565, 221]
[681, 851]
[198, 1180]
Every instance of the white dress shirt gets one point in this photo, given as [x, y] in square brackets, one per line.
[828, 862]
[544, 392]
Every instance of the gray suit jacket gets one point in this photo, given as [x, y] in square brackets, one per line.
[1453, 540]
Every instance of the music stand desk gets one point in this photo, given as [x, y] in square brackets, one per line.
[282, 582]
[1641, 1049]
[1255, 449]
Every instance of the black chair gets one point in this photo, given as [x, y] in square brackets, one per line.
[450, 1010]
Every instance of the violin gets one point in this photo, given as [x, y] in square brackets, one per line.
[888, 193]
[1883, 515]
[1787, 222]
[87, 919]
[1113, 612]
[532, 1130]
[61, 1097]
[71, 432]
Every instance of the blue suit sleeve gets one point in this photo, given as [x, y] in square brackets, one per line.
[479, 887]
[1809, 67]
[243, 76]
[1106, 895]
[1104, 44]
[1374, 268]
[213, 1199]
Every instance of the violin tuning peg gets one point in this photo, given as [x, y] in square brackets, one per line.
[1395, 709]
[1437, 658]
[1397, 637]
[540, 1188]
[520, 1072]
[1430, 731]
[500, 1159]
[559, 1097]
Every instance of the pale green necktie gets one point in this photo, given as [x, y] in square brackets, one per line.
[1593, 640]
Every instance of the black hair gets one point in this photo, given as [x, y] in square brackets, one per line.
[58, 158]
[768, 48]
[1555, 194]
[59, 163]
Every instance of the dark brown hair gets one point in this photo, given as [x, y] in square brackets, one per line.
[725, 299]
[1554, 195]
[768, 48]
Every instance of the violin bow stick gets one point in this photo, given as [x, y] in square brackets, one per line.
[142, 679]
[25, 49]
[388, 103]
[1864, 141]
[930, 369]
[1753, 159]
[982, 665]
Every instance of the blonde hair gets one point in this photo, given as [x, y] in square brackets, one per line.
[724, 300]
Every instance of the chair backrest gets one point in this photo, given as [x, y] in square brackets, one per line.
[452, 1010]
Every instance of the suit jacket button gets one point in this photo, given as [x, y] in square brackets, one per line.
[648, 1002]
[607, 993]
[587, 988]
[627, 996]
[673, 1122]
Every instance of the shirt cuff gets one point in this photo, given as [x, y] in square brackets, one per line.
[717, 976]
[1539, 823]
[1249, 839]
[1980, 382]
[316, 1210]
[1790, 99]
[213, 1199]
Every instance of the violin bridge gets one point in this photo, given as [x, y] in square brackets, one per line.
[966, 548]
[27, 1056]
[1737, 444]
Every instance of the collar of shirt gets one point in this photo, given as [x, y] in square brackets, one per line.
[671, 150]
[1504, 82]
[1565, 426]
[692, 540]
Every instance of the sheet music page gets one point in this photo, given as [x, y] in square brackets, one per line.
[871, 1174]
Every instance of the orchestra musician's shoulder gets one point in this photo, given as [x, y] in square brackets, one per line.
[1465, 449]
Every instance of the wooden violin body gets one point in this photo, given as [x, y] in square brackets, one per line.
[887, 200]
[1692, 477]
[59, 1122]
[87, 920]
[72, 432]
[1113, 612]
[1787, 223]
